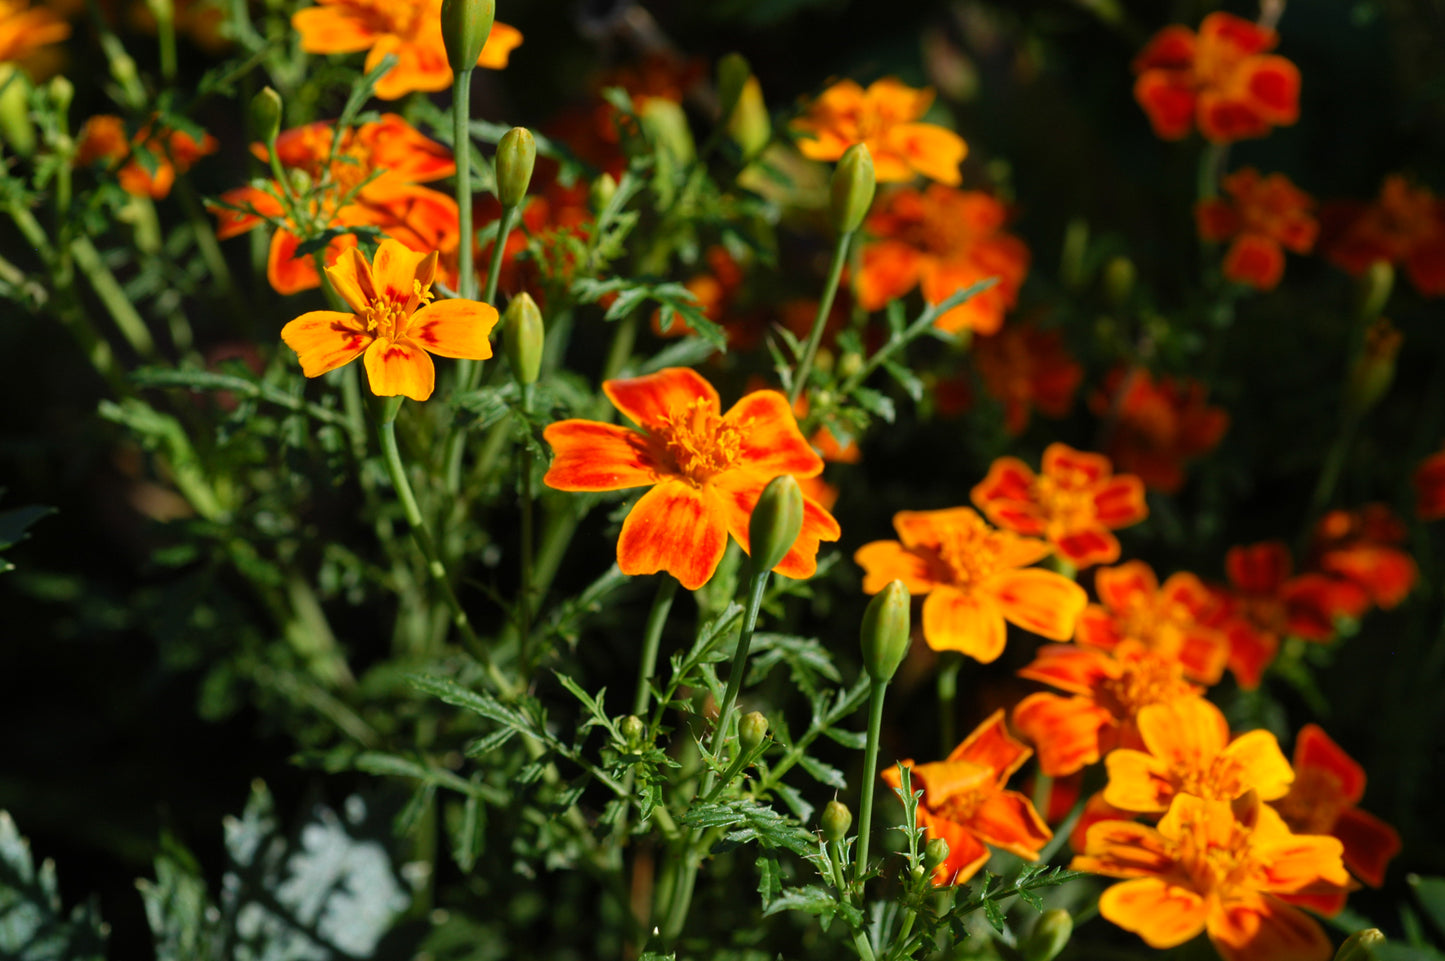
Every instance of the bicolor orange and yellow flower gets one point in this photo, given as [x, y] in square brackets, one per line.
[1264, 217]
[885, 117]
[976, 579]
[706, 470]
[1170, 619]
[103, 137]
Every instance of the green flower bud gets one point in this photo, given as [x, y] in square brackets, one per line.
[523, 338]
[885, 630]
[1072, 269]
[466, 24]
[733, 70]
[749, 126]
[62, 92]
[852, 188]
[836, 821]
[633, 730]
[602, 191]
[666, 127]
[1374, 367]
[266, 115]
[751, 731]
[935, 852]
[1361, 946]
[16, 128]
[1372, 290]
[122, 69]
[776, 521]
[1049, 936]
[300, 181]
[516, 155]
[1118, 281]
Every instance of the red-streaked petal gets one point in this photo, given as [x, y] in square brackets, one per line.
[966, 853]
[955, 621]
[1168, 100]
[1089, 468]
[1124, 849]
[1258, 568]
[1273, 84]
[1089, 547]
[736, 494]
[592, 456]
[454, 328]
[1119, 502]
[1138, 782]
[1313, 748]
[991, 746]
[677, 528]
[1267, 928]
[1117, 586]
[1065, 731]
[1369, 844]
[1255, 260]
[1164, 915]
[771, 442]
[325, 340]
[394, 270]
[1044, 602]
[1008, 820]
[351, 277]
[394, 368]
[885, 561]
[646, 400]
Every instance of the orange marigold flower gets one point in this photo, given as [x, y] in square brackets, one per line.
[706, 471]
[1328, 784]
[966, 804]
[1075, 502]
[1187, 750]
[395, 322]
[171, 152]
[1265, 216]
[23, 29]
[410, 29]
[976, 578]
[1157, 425]
[1429, 481]
[1108, 691]
[1220, 79]
[1361, 546]
[1305, 606]
[1171, 620]
[943, 240]
[1024, 368]
[1218, 867]
[371, 177]
[1406, 225]
[885, 118]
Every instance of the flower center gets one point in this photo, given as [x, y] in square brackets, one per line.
[1142, 681]
[1066, 499]
[970, 552]
[697, 442]
[1213, 868]
[388, 317]
[1158, 624]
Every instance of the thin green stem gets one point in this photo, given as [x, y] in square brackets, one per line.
[623, 337]
[947, 692]
[499, 250]
[865, 950]
[462, 150]
[652, 641]
[525, 598]
[825, 307]
[870, 777]
[117, 304]
[757, 585]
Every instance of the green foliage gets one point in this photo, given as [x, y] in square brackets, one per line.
[33, 925]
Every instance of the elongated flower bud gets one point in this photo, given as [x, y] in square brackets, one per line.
[601, 192]
[1049, 937]
[666, 127]
[1361, 946]
[516, 155]
[775, 522]
[16, 128]
[749, 126]
[1372, 290]
[885, 630]
[62, 92]
[524, 338]
[266, 115]
[733, 70]
[1374, 367]
[852, 188]
[751, 731]
[1118, 281]
[466, 24]
[935, 852]
[836, 821]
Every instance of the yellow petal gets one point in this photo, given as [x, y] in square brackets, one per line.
[325, 340]
[394, 368]
[453, 328]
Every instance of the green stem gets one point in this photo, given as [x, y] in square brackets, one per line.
[865, 950]
[870, 777]
[462, 151]
[651, 641]
[525, 597]
[825, 307]
[947, 692]
[131, 325]
[499, 250]
[623, 337]
[757, 585]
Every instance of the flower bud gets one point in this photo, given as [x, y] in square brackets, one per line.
[1049, 936]
[601, 193]
[733, 70]
[852, 188]
[523, 338]
[1374, 367]
[516, 155]
[16, 128]
[266, 115]
[1372, 290]
[122, 69]
[935, 852]
[1361, 946]
[775, 522]
[62, 92]
[466, 24]
[666, 127]
[885, 629]
[1118, 281]
[836, 821]
[1072, 268]
[299, 180]
[751, 731]
[633, 731]
[749, 126]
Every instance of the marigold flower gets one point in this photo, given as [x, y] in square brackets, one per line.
[1187, 750]
[1304, 606]
[1207, 868]
[976, 578]
[395, 323]
[1361, 546]
[943, 240]
[1075, 502]
[24, 29]
[1265, 216]
[1328, 784]
[410, 29]
[1157, 425]
[1405, 225]
[1221, 79]
[1024, 368]
[965, 802]
[706, 471]
[1429, 481]
[372, 177]
[884, 117]
[172, 151]
[1108, 690]
[1171, 620]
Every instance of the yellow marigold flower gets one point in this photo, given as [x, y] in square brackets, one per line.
[884, 117]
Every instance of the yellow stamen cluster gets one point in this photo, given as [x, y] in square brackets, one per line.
[697, 442]
[970, 551]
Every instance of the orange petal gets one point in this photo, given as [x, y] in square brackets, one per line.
[675, 528]
[394, 270]
[351, 277]
[1183, 733]
[1313, 748]
[454, 328]
[1369, 844]
[288, 273]
[889, 270]
[772, 443]
[325, 340]
[1065, 731]
[1007, 820]
[503, 39]
[1040, 601]
[592, 456]
[929, 149]
[1138, 782]
[1253, 761]
[1164, 915]
[992, 748]
[1088, 547]
[966, 853]
[955, 621]
[1267, 929]
[1119, 502]
[737, 492]
[1124, 849]
[333, 29]
[1118, 586]
[648, 399]
[1255, 260]
[1171, 49]
[885, 561]
[399, 368]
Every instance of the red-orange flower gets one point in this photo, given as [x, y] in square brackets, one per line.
[1217, 867]
[23, 29]
[1265, 216]
[1221, 79]
[410, 29]
[976, 578]
[171, 152]
[1429, 481]
[370, 177]
[1362, 546]
[965, 802]
[706, 471]
[1406, 225]
[1171, 620]
[395, 323]
[1157, 425]
[1075, 502]
[885, 118]
[1328, 784]
[1108, 691]
[943, 240]
[1273, 602]
[1025, 368]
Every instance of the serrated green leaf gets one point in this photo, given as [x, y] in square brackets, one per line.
[770, 879]
[823, 773]
[32, 925]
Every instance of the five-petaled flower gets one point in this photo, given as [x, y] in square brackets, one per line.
[1026, 368]
[1224, 867]
[885, 118]
[395, 323]
[1363, 546]
[1405, 225]
[976, 578]
[1156, 426]
[169, 151]
[1075, 502]
[410, 29]
[965, 802]
[1222, 79]
[706, 471]
[1264, 217]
